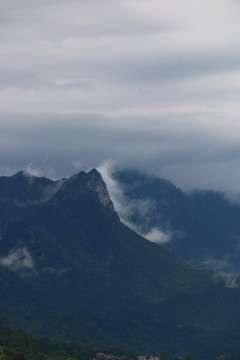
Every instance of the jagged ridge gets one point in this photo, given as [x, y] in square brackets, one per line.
[92, 279]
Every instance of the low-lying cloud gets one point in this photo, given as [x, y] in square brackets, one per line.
[218, 264]
[126, 208]
[18, 260]
[230, 280]
[46, 191]
[157, 236]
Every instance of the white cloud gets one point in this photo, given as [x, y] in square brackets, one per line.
[106, 169]
[18, 260]
[125, 207]
[157, 236]
[45, 169]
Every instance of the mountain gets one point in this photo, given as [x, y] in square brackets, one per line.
[201, 227]
[23, 194]
[70, 269]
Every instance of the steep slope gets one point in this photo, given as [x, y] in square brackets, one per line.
[15, 344]
[109, 285]
[78, 236]
[203, 227]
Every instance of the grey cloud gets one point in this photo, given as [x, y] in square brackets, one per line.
[81, 17]
[144, 59]
[189, 154]
[12, 79]
[230, 281]
[29, 79]
[217, 264]
[142, 82]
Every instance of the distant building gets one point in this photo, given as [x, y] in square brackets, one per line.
[150, 358]
[108, 356]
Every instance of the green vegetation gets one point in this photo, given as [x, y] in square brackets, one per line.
[18, 345]
[204, 225]
[93, 281]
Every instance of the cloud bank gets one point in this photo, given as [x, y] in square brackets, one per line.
[154, 84]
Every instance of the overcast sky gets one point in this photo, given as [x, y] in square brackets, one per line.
[152, 84]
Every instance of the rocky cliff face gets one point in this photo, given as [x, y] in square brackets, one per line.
[78, 185]
[96, 183]
[28, 198]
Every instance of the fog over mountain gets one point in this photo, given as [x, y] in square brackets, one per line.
[201, 227]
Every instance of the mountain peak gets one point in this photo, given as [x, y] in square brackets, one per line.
[84, 182]
[94, 182]
[22, 175]
[94, 172]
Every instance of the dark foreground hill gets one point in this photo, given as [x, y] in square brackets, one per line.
[71, 269]
[203, 227]
[16, 344]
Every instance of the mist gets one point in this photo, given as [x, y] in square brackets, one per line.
[125, 207]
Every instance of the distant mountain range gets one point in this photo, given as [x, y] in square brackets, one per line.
[69, 268]
[201, 227]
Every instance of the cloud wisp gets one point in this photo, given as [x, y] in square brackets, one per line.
[125, 208]
[231, 281]
[18, 260]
